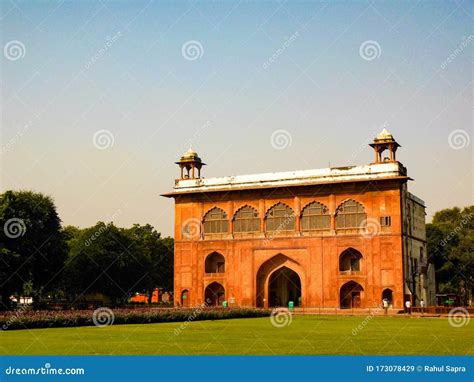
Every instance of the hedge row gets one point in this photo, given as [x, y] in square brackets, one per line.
[104, 316]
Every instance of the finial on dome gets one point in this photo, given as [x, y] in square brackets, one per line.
[385, 134]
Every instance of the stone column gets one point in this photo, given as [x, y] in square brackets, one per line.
[332, 210]
[297, 209]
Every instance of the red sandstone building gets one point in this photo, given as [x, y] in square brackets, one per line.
[342, 237]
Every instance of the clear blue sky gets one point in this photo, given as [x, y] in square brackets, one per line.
[82, 67]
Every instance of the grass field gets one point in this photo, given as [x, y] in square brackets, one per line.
[305, 335]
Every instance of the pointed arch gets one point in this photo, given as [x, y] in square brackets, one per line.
[387, 294]
[315, 217]
[214, 263]
[280, 219]
[215, 223]
[350, 217]
[267, 269]
[246, 220]
[350, 261]
[214, 294]
[351, 295]
[185, 298]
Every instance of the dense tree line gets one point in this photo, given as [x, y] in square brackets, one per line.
[450, 239]
[39, 258]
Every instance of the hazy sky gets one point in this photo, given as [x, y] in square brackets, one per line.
[226, 76]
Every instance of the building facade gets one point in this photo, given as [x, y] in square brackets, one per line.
[338, 238]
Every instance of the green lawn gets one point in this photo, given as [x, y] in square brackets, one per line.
[305, 335]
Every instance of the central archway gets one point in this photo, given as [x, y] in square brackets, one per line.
[284, 286]
[279, 280]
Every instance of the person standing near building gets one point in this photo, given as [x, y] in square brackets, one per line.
[408, 306]
[422, 304]
[385, 306]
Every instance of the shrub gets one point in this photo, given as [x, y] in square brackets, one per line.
[70, 318]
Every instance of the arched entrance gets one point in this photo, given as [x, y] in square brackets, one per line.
[214, 295]
[387, 294]
[185, 298]
[284, 286]
[280, 280]
[350, 295]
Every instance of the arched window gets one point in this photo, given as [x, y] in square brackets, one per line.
[315, 218]
[280, 220]
[246, 220]
[350, 261]
[215, 263]
[215, 223]
[350, 217]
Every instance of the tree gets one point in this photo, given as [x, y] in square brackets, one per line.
[108, 260]
[32, 247]
[451, 248]
[160, 252]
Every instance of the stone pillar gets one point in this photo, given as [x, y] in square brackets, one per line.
[332, 209]
[297, 209]
[261, 214]
[230, 216]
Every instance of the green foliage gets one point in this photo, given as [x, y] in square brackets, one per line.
[106, 259]
[160, 252]
[48, 319]
[451, 248]
[32, 247]
[117, 262]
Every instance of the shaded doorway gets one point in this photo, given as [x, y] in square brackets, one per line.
[351, 295]
[284, 286]
[387, 294]
[185, 298]
[214, 294]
